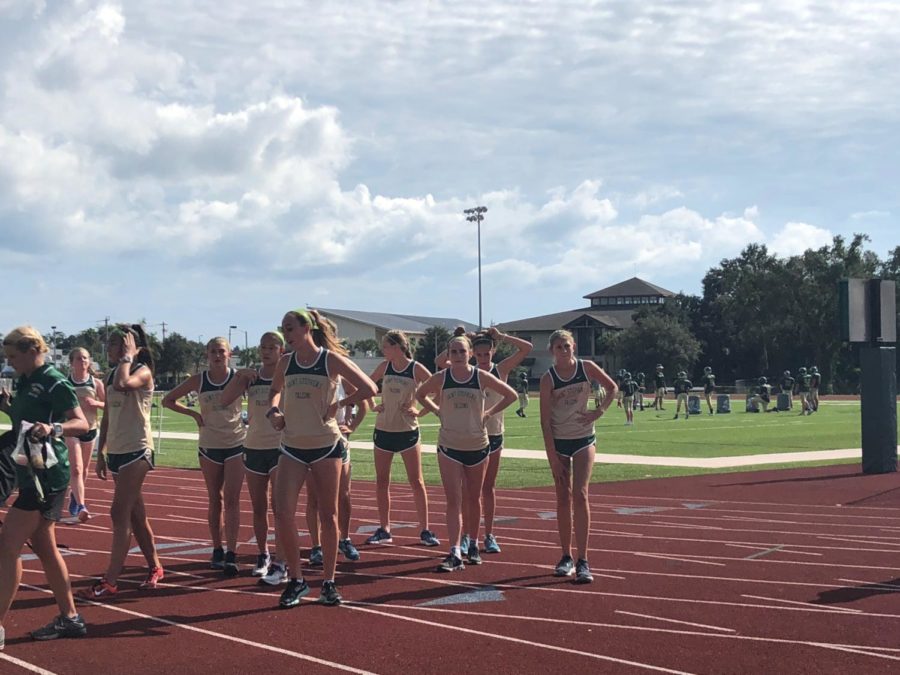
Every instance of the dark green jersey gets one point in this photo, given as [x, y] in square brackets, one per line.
[787, 383]
[815, 380]
[683, 386]
[709, 383]
[803, 383]
[640, 379]
[629, 387]
[660, 380]
[44, 396]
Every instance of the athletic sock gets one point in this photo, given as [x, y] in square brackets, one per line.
[328, 581]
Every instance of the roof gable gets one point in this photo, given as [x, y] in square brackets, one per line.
[633, 286]
[405, 322]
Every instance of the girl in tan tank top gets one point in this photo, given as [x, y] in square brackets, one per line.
[221, 446]
[125, 450]
[91, 397]
[456, 396]
[484, 347]
[316, 364]
[397, 432]
[568, 428]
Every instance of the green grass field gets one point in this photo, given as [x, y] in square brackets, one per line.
[835, 426]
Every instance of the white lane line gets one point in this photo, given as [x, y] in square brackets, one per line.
[687, 526]
[760, 554]
[863, 541]
[880, 585]
[807, 605]
[674, 558]
[221, 636]
[684, 623]
[509, 638]
[865, 650]
[778, 548]
[25, 665]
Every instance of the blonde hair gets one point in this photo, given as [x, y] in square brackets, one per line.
[460, 338]
[275, 335]
[24, 338]
[561, 334]
[79, 351]
[323, 331]
[219, 341]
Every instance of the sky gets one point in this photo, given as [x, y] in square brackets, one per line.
[209, 163]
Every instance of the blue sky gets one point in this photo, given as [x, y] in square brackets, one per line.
[215, 163]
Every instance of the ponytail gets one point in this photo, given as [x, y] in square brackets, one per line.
[323, 331]
[398, 338]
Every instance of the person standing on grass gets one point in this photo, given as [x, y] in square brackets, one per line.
[91, 397]
[458, 396]
[682, 388]
[629, 389]
[397, 433]
[484, 347]
[709, 387]
[522, 389]
[303, 404]
[815, 381]
[348, 419]
[786, 384]
[46, 401]
[126, 451]
[660, 380]
[641, 381]
[221, 448]
[803, 387]
[568, 429]
[261, 451]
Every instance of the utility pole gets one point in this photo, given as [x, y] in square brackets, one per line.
[476, 215]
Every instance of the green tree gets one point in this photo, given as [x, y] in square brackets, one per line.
[176, 357]
[434, 342]
[364, 347]
[655, 337]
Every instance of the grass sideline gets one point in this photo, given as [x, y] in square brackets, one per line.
[835, 426]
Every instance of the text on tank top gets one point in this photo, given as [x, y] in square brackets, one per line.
[398, 393]
[222, 427]
[84, 390]
[260, 433]
[495, 422]
[128, 417]
[462, 413]
[568, 399]
[308, 393]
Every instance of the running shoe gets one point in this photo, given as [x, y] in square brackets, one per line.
[263, 560]
[276, 575]
[491, 545]
[82, 513]
[565, 567]
[217, 562]
[464, 543]
[329, 594]
[380, 536]
[316, 559]
[346, 547]
[583, 572]
[451, 564]
[291, 595]
[99, 591]
[428, 538]
[73, 505]
[61, 627]
[154, 576]
[230, 568]
[473, 555]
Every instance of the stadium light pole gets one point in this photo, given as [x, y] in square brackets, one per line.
[53, 337]
[229, 333]
[476, 215]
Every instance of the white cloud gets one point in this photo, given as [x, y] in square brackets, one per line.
[795, 238]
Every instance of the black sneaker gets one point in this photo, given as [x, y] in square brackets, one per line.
[316, 557]
[427, 537]
[229, 567]
[583, 572]
[291, 595]
[473, 555]
[451, 564]
[329, 594]
[565, 567]
[217, 562]
[61, 627]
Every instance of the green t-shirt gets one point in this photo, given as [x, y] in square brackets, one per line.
[44, 396]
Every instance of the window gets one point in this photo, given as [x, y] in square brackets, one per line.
[620, 301]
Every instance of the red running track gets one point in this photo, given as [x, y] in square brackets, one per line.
[773, 571]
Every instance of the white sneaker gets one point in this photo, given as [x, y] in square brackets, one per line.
[276, 575]
[263, 560]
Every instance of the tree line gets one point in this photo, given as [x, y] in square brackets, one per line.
[759, 315]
